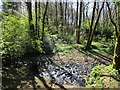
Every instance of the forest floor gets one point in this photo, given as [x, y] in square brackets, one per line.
[69, 70]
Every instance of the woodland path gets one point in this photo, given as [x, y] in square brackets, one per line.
[61, 71]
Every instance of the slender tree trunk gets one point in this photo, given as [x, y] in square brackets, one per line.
[68, 15]
[61, 18]
[103, 23]
[36, 29]
[39, 20]
[87, 10]
[115, 7]
[96, 23]
[56, 16]
[110, 15]
[97, 9]
[117, 45]
[77, 13]
[72, 13]
[80, 19]
[91, 25]
[83, 12]
[65, 12]
[116, 58]
[43, 21]
[31, 26]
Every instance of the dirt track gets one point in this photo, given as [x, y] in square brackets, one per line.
[66, 70]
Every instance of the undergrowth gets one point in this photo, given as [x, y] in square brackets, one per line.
[103, 76]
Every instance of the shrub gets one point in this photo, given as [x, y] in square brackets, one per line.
[15, 38]
[103, 76]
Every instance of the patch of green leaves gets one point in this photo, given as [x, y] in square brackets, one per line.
[16, 40]
[102, 73]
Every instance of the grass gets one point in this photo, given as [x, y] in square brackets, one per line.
[63, 48]
[96, 47]
[102, 48]
[66, 48]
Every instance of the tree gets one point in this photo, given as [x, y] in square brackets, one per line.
[68, 11]
[39, 12]
[56, 15]
[43, 21]
[80, 19]
[36, 23]
[116, 58]
[92, 32]
[31, 25]
[87, 10]
[61, 18]
[91, 25]
[65, 12]
[96, 23]
[77, 13]
[117, 45]
[83, 11]
[72, 13]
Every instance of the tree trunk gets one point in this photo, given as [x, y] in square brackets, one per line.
[36, 29]
[80, 19]
[56, 16]
[116, 61]
[39, 20]
[31, 26]
[68, 15]
[96, 23]
[72, 13]
[110, 16]
[65, 12]
[83, 11]
[43, 21]
[61, 18]
[87, 11]
[91, 25]
[77, 13]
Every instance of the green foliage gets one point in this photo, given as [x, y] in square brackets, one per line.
[64, 48]
[101, 75]
[14, 35]
[85, 26]
[47, 47]
[107, 32]
[16, 40]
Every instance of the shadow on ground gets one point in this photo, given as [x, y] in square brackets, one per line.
[23, 73]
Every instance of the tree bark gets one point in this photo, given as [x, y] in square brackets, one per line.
[87, 10]
[110, 15]
[77, 13]
[96, 23]
[61, 18]
[56, 16]
[36, 28]
[72, 13]
[43, 21]
[31, 26]
[116, 58]
[91, 25]
[65, 12]
[68, 15]
[83, 11]
[39, 20]
[80, 19]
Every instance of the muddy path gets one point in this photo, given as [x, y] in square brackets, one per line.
[71, 69]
